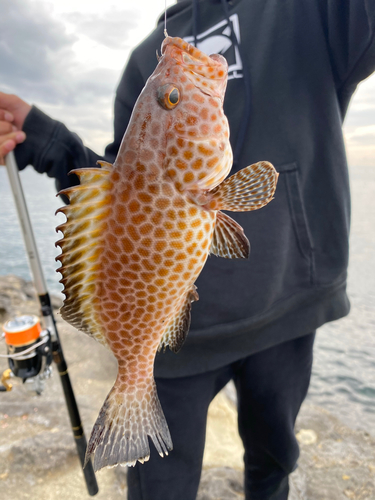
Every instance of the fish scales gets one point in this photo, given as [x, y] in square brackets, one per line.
[138, 234]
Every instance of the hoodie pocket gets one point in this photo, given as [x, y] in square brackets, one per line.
[289, 176]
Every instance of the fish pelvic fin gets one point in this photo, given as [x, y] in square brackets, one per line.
[119, 436]
[82, 231]
[249, 189]
[178, 328]
[229, 240]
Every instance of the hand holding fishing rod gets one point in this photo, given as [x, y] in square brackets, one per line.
[47, 314]
[13, 112]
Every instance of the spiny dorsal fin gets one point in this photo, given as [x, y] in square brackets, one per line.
[89, 206]
[105, 165]
[249, 189]
[175, 334]
[229, 240]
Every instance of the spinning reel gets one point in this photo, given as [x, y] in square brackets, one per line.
[29, 349]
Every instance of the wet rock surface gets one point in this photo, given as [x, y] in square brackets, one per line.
[38, 456]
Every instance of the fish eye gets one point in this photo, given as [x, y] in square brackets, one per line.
[168, 96]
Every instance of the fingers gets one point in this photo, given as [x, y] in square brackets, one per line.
[8, 142]
[13, 109]
[6, 116]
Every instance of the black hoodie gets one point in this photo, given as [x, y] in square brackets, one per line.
[293, 67]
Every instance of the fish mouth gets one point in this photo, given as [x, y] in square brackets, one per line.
[213, 69]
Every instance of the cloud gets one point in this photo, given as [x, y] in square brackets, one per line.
[38, 56]
[34, 48]
[110, 28]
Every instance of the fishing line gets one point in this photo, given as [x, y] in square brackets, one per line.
[165, 19]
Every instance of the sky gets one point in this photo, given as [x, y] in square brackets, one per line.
[66, 56]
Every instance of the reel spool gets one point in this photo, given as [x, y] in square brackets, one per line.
[29, 351]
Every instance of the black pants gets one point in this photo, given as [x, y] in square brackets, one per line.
[271, 386]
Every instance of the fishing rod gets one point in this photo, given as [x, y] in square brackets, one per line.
[17, 328]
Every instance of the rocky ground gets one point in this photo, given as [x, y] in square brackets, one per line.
[38, 456]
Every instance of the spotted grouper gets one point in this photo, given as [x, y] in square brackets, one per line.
[138, 234]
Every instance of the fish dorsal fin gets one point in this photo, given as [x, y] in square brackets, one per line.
[229, 240]
[249, 189]
[175, 333]
[89, 205]
[105, 165]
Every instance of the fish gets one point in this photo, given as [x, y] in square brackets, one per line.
[138, 233]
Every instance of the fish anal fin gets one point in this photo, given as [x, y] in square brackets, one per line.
[178, 328]
[229, 240]
[249, 189]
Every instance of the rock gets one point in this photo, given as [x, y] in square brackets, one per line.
[306, 436]
[222, 483]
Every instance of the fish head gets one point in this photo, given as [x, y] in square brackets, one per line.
[189, 87]
[189, 65]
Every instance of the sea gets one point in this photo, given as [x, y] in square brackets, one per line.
[343, 379]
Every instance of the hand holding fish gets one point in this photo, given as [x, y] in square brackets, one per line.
[138, 234]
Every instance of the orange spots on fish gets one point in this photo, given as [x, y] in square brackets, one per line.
[188, 155]
[167, 190]
[204, 129]
[204, 150]
[118, 230]
[217, 129]
[178, 203]
[195, 223]
[160, 233]
[177, 244]
[140, 167]
[168, 225]
[133, 233]
[213, 102]
[145, 197]
[138, 219]
[180, 142]
[198, 98]
[172, 173]
[212, 162]
[125, 196]
[191, 120]
[160, 245]
[129, 157]
[197, 164]
[115, 176]
[173, 151]
[134, 206]
[181, 165]
[179, 127]
[162, 203]
[146, 229]
[188, 177]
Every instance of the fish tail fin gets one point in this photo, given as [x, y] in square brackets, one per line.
[249, 189]
[119, 436]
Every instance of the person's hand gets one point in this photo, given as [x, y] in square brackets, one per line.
[13, 112]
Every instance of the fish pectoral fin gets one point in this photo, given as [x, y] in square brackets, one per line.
[229, 240]
[178, 328]
[249, 189]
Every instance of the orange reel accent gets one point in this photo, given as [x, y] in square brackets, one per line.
[19, 335]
